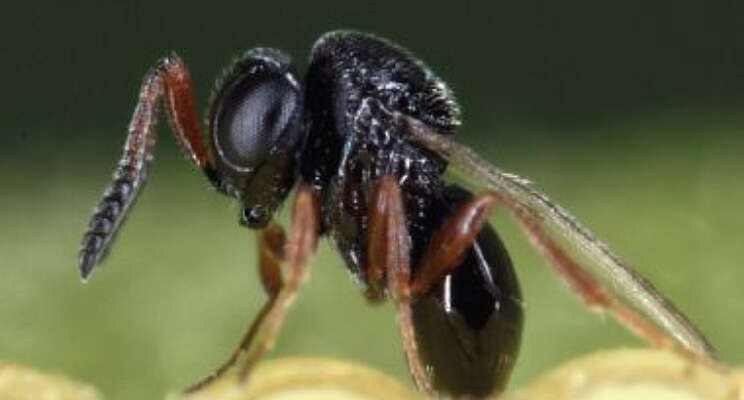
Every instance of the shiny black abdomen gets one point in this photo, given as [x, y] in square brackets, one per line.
[469, 327]
[350, 145]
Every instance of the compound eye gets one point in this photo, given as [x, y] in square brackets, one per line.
[251, 115]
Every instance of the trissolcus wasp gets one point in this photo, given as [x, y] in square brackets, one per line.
[365, 140]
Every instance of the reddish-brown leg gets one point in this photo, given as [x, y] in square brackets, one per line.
[270, 241]
[450, 242]
[381, 230]
[169, 78]
[653, 316]
[389, 245]
[448, 245]
[296, 251]
[300, 245]
[592, 292]
[178, 95]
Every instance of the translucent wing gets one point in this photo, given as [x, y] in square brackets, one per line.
[628, 295]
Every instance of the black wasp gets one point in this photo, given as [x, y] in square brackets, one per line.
[364, 141]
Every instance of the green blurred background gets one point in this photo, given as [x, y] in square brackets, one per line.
[628, 113]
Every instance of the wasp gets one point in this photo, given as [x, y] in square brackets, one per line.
[364, 140]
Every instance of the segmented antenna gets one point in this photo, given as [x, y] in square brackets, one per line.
[128, 178]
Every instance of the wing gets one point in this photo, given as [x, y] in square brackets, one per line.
[606, 280]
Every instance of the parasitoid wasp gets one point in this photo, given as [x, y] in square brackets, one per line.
[365, 140]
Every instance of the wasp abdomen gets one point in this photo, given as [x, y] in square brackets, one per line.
[468, 328]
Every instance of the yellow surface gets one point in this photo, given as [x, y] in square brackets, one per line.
[640, 391]
[637, 374]
[634, 374]
[22, 383]
[306, 379]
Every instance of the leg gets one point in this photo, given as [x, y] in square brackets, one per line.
[534, 210]
[450, 242]
[592, 293]
[300, 245]
[448, 245]
[296, 252]
[169, 78]
[271, 243]
[388, 249]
